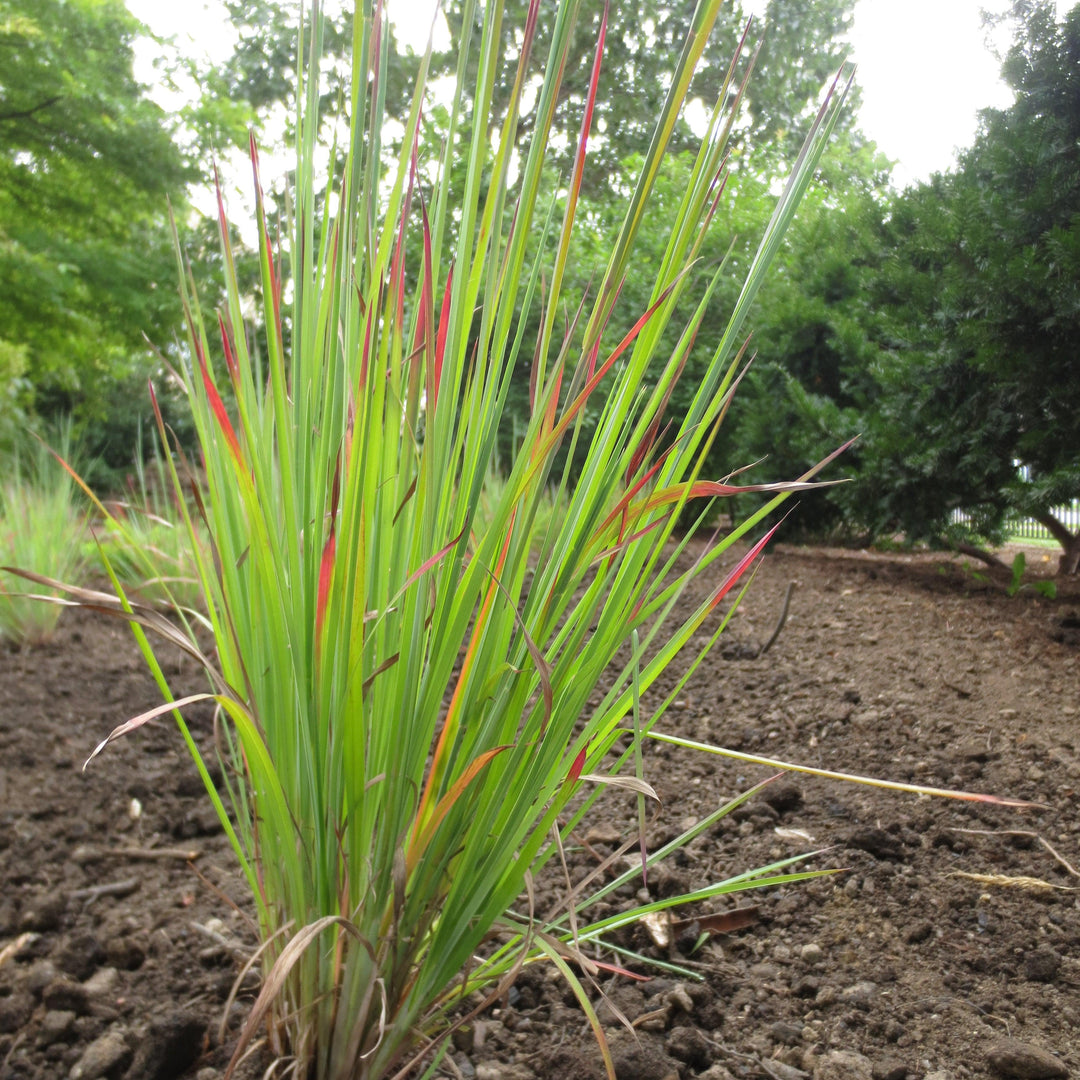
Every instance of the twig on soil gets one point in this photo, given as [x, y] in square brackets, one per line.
[761, 1063]
[242, 952]
[90, 854]
[112, 888]
[1024, 832]
[13, 948]
[1010, 882]
[779, 622]
[16, 1042]
[971, 1005]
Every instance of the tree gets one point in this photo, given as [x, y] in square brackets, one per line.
[87, 164]
[980, 375]
[802, 47]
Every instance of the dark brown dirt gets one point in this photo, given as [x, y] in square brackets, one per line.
[924, 957]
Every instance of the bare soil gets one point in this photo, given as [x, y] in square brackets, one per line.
[947, 946]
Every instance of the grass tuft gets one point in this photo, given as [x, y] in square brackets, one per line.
[42, 528]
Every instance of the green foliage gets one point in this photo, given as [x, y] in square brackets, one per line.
[146, 542]
[87, 164]
[41, 529]
[982, 284]
[1019, 566]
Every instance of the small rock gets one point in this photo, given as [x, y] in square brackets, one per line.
[781, 1070]
[15, 1011]
[80, 956]
[860, 994]
[56, 1024]
[715, 1072]
[679, 997]
[877, 842]
[604, 833]
[783, 797]
[807, 987]
[843, 1065]
[811, 953]
[172, 1045]
[42, 972]
[465, 1066]
[889, 1069]
[67, 995]
[690, 1046]
[103, 984]
[1011, 1057]
[939, 1074]
[107, 1054]
[786, 1034]
[1041, 965]
[501, 1070]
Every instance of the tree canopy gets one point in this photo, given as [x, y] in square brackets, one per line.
[980, 404]
[87, 163]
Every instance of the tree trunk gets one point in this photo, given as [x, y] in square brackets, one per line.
[1070, 543]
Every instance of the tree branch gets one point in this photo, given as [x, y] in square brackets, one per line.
[979, 553]
[25, 114]
[1054, 527]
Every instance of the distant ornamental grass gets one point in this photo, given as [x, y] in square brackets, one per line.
[408, 702]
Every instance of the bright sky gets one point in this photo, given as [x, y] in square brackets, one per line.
[924, 66]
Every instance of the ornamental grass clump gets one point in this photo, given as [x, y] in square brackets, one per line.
[42, 528]
[407, 700]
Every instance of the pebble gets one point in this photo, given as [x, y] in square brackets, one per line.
[500, 1070]
[1041, 965]
[15, 1011]
[786, 1034]
[689, 1045]
[67, 995]
[80, 956]
[811, 953]
[783, 797]
[889, 1069]
[103, 983]
[782, 1071]
[54, 1026]
[1013, 1058]
[878, 842]
[843, 1065]
[859, 994]
[104, 1055]
[42, 972]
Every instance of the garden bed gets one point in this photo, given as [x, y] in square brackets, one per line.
[926, 951]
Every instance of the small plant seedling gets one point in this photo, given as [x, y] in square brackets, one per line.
[1019, 565]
